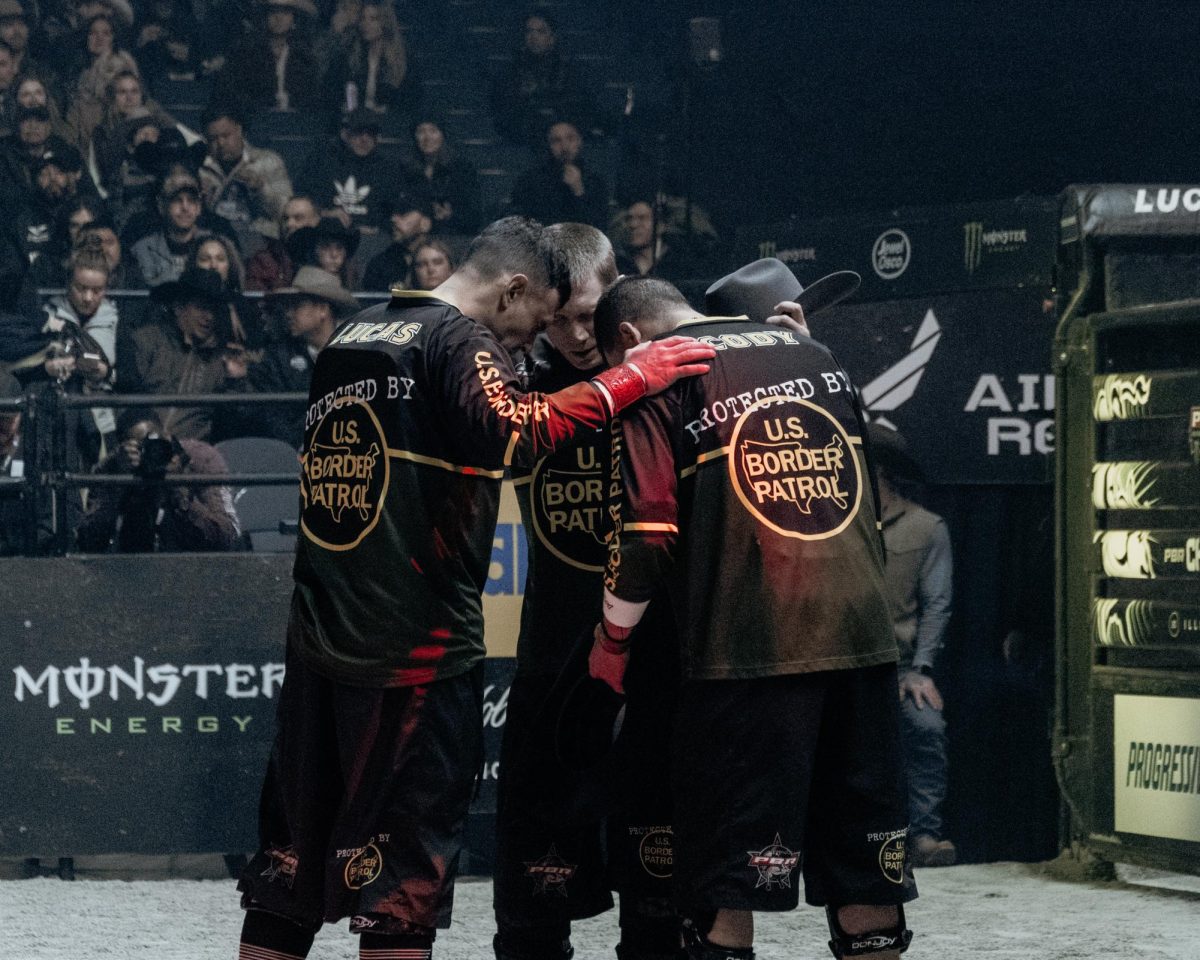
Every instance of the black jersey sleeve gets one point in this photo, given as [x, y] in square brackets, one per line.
[646, 455]
[480, 388]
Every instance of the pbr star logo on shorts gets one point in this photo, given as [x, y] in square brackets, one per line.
[282, 865]
[343, 476]
[567, 500]
[794, 468]
[551, 872]
[774, 864]
[363, 868]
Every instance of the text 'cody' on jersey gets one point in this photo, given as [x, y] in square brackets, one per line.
[780, 409]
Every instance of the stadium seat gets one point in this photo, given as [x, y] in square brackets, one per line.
[261, 510]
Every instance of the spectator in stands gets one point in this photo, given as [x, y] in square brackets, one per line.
[330, 246]
[411, 223]
[274, 69]
[50, 268]
[155, 156]
[244, 185]
[562, 189]
[122, 275]
[153, 516]
[538, 87]
[185, 352]
[451, 183]
[167, 47]
[32, 91]
[218, 253]
[85, 307]
[160, 255]
[32, 141]
[350, 178]
[124, 100]
[432, 263]
[313, 305]
[376, 72]
[676, 255]
[57, 184]
[104, 64]
[14, 31]
[272, 266]
[12, 464]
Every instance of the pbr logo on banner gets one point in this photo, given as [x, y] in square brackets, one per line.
[965, 378]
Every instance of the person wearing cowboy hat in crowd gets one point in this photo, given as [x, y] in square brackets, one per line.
[329, 245]
[185, 351]
[244, 185]
[919, 579]
[312, 305]
[275, 68]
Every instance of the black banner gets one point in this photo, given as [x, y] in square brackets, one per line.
[966, 378]
[919, 251]
[139, 698]
[1130, 210]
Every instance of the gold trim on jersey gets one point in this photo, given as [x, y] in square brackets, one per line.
[650, 528]
[702, 459]
[444, 464]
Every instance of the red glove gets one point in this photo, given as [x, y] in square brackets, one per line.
[662, 362]
[608, 659]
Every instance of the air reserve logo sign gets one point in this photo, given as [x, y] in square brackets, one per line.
[343, 476]
[567, 500]
[794, 468]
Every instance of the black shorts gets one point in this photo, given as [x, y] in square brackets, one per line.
[364, 801]
[780, 776]
[567, 839]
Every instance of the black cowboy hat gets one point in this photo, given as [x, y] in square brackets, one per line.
[194, 284]
[303, 243]
[889, 451]
[756, 288]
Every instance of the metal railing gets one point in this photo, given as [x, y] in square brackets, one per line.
[48, 476]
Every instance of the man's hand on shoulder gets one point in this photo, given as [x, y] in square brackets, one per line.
[662, 362]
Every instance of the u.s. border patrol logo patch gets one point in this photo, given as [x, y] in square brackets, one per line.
[567, 504]
[343, 476]
[794, 468]
[891, 858]
[363, 868]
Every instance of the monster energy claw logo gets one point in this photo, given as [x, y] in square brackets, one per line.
[976, 240]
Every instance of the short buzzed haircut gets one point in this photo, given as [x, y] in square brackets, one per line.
[634, 299]
[584, 252]
[519, 245]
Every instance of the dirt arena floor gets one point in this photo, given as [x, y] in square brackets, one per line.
[1004, 911]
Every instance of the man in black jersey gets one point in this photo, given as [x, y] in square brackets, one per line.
[544, 812]
[413, 414]
[748, 494]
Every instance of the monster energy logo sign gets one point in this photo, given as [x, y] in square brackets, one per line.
[977, 240]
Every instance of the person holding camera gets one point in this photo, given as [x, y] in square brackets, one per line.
[153, 516]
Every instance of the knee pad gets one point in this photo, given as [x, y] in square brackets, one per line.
[649, 929]
[845, 944]
[696, 945]
[534, 943]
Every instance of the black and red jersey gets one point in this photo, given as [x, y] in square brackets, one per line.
[563, 501]
[747, 490]
[413, 414]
